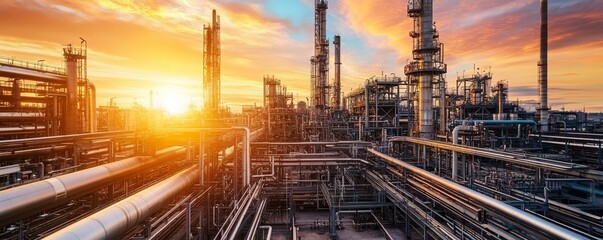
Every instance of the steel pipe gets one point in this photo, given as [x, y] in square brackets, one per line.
[455, 141]
[249, 137]
[27, 199]
[516, 214]
[114, 221]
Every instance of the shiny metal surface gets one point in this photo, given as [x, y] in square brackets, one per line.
[426, 80]
[37, 196]
[113, 221]
[520, 216]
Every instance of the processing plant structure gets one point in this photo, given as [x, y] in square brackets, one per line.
[400, 157]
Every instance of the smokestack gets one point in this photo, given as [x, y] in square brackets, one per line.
[337, 43]
[543, 69]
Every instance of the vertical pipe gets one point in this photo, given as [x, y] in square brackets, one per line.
[366, 106]
[543, 66]
[92, 107]
[443, 118]
[201, 159]
[500, 100]
[337, 83]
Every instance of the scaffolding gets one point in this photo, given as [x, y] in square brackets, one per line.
[320, 61]
[376, 108]
[426, 72]
[283, 122]
[211, 65]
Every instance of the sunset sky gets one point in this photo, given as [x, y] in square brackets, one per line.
[138, 46]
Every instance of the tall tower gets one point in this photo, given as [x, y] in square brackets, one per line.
[320, 60]
[211, 64]
[427, 67]
[543, 68]
[337, 83]
[78, 111]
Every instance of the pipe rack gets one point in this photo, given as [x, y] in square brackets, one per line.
[37, 196]
[113, 221]
[516, 214]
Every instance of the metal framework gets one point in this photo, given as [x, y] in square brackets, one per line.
[211, 64]
[376, 109]
[425, 72]
[39, 100]
[320, 62]
[337, 170]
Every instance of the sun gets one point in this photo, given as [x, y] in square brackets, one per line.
[174, 101]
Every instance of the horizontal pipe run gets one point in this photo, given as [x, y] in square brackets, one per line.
[13, 143]
[115, 220]
[516, 214]
[31, 198]
[560, 167]
[313, 143]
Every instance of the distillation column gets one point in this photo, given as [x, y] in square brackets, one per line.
[543, 68]
[320, 60]
[211, 64]
[427, 66]
[74, 117]
[337, 83]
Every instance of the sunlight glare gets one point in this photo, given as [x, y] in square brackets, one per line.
[174, 101]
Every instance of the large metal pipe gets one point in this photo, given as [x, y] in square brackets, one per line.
[337, 83]
[518, 215]
[543, 67]
[115, 220]
[455, 141]
[426, 79]
[35, 197]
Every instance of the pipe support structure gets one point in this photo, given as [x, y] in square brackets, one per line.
[517, 215]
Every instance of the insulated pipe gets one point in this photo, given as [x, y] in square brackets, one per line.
[35, 197]
[519, 216]
[455, 141]
[115, 220]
